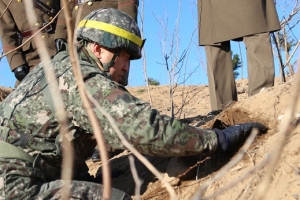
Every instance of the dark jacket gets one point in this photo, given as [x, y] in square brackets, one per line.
[15, 30]
[130, 7]
[232, 19]
[80, 10]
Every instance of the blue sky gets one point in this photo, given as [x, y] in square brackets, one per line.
[160, 20]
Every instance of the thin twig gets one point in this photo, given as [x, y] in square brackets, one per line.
[138, 182]
[60, 113]
[87, 105]
[239, 180]
[292, 54]
[35, 34]
[132, 149]
[276, 41]
[192, 167]
[296, 170]
[250, 158]
[226, 168]
[6, 8]
[144, 55]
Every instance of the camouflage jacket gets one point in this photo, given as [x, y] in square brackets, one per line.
[35, 129]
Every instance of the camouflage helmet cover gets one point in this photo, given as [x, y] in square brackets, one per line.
[113, 29]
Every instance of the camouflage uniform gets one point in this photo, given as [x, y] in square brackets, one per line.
[34, 129]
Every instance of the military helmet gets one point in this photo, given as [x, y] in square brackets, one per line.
[112, 29]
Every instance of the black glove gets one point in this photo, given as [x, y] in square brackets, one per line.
[233, 135]
[59, 44]
[21, 71]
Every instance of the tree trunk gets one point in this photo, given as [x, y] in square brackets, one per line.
[281, 68]
[287, 54]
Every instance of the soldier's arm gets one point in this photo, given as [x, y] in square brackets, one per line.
[145, 128]
[10, 38]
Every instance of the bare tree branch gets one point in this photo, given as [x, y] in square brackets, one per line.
[276, 41]
[226, 168]
[86, 103]
[5, 8]
[60, 113]
[292, 54]
[132, 149]
[138, 182]
[143, 53]
[295, 10]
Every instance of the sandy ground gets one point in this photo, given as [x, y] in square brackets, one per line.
[238, 175]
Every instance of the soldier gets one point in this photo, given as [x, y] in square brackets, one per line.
[108, 40]
[130, 7]
[15, 30]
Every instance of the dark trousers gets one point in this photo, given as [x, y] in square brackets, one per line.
[222, 87]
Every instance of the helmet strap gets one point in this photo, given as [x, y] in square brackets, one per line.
[106, 66]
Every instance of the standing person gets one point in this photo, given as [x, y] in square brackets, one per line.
[238, 20]
[15, 30]
[30, 146]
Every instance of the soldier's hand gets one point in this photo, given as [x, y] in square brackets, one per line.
[59, 44]
[21, 71]
[233, 135]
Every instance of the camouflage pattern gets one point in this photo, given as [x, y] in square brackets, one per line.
[77, 188]
[116, 18]
[35, 129]
[14, 185]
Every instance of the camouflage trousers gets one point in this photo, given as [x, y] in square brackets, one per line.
[19, 180]
[51, 190]
[78, 190]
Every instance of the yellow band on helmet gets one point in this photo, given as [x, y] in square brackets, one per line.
[111, 29]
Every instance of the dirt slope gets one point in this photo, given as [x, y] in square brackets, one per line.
[242, 180]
